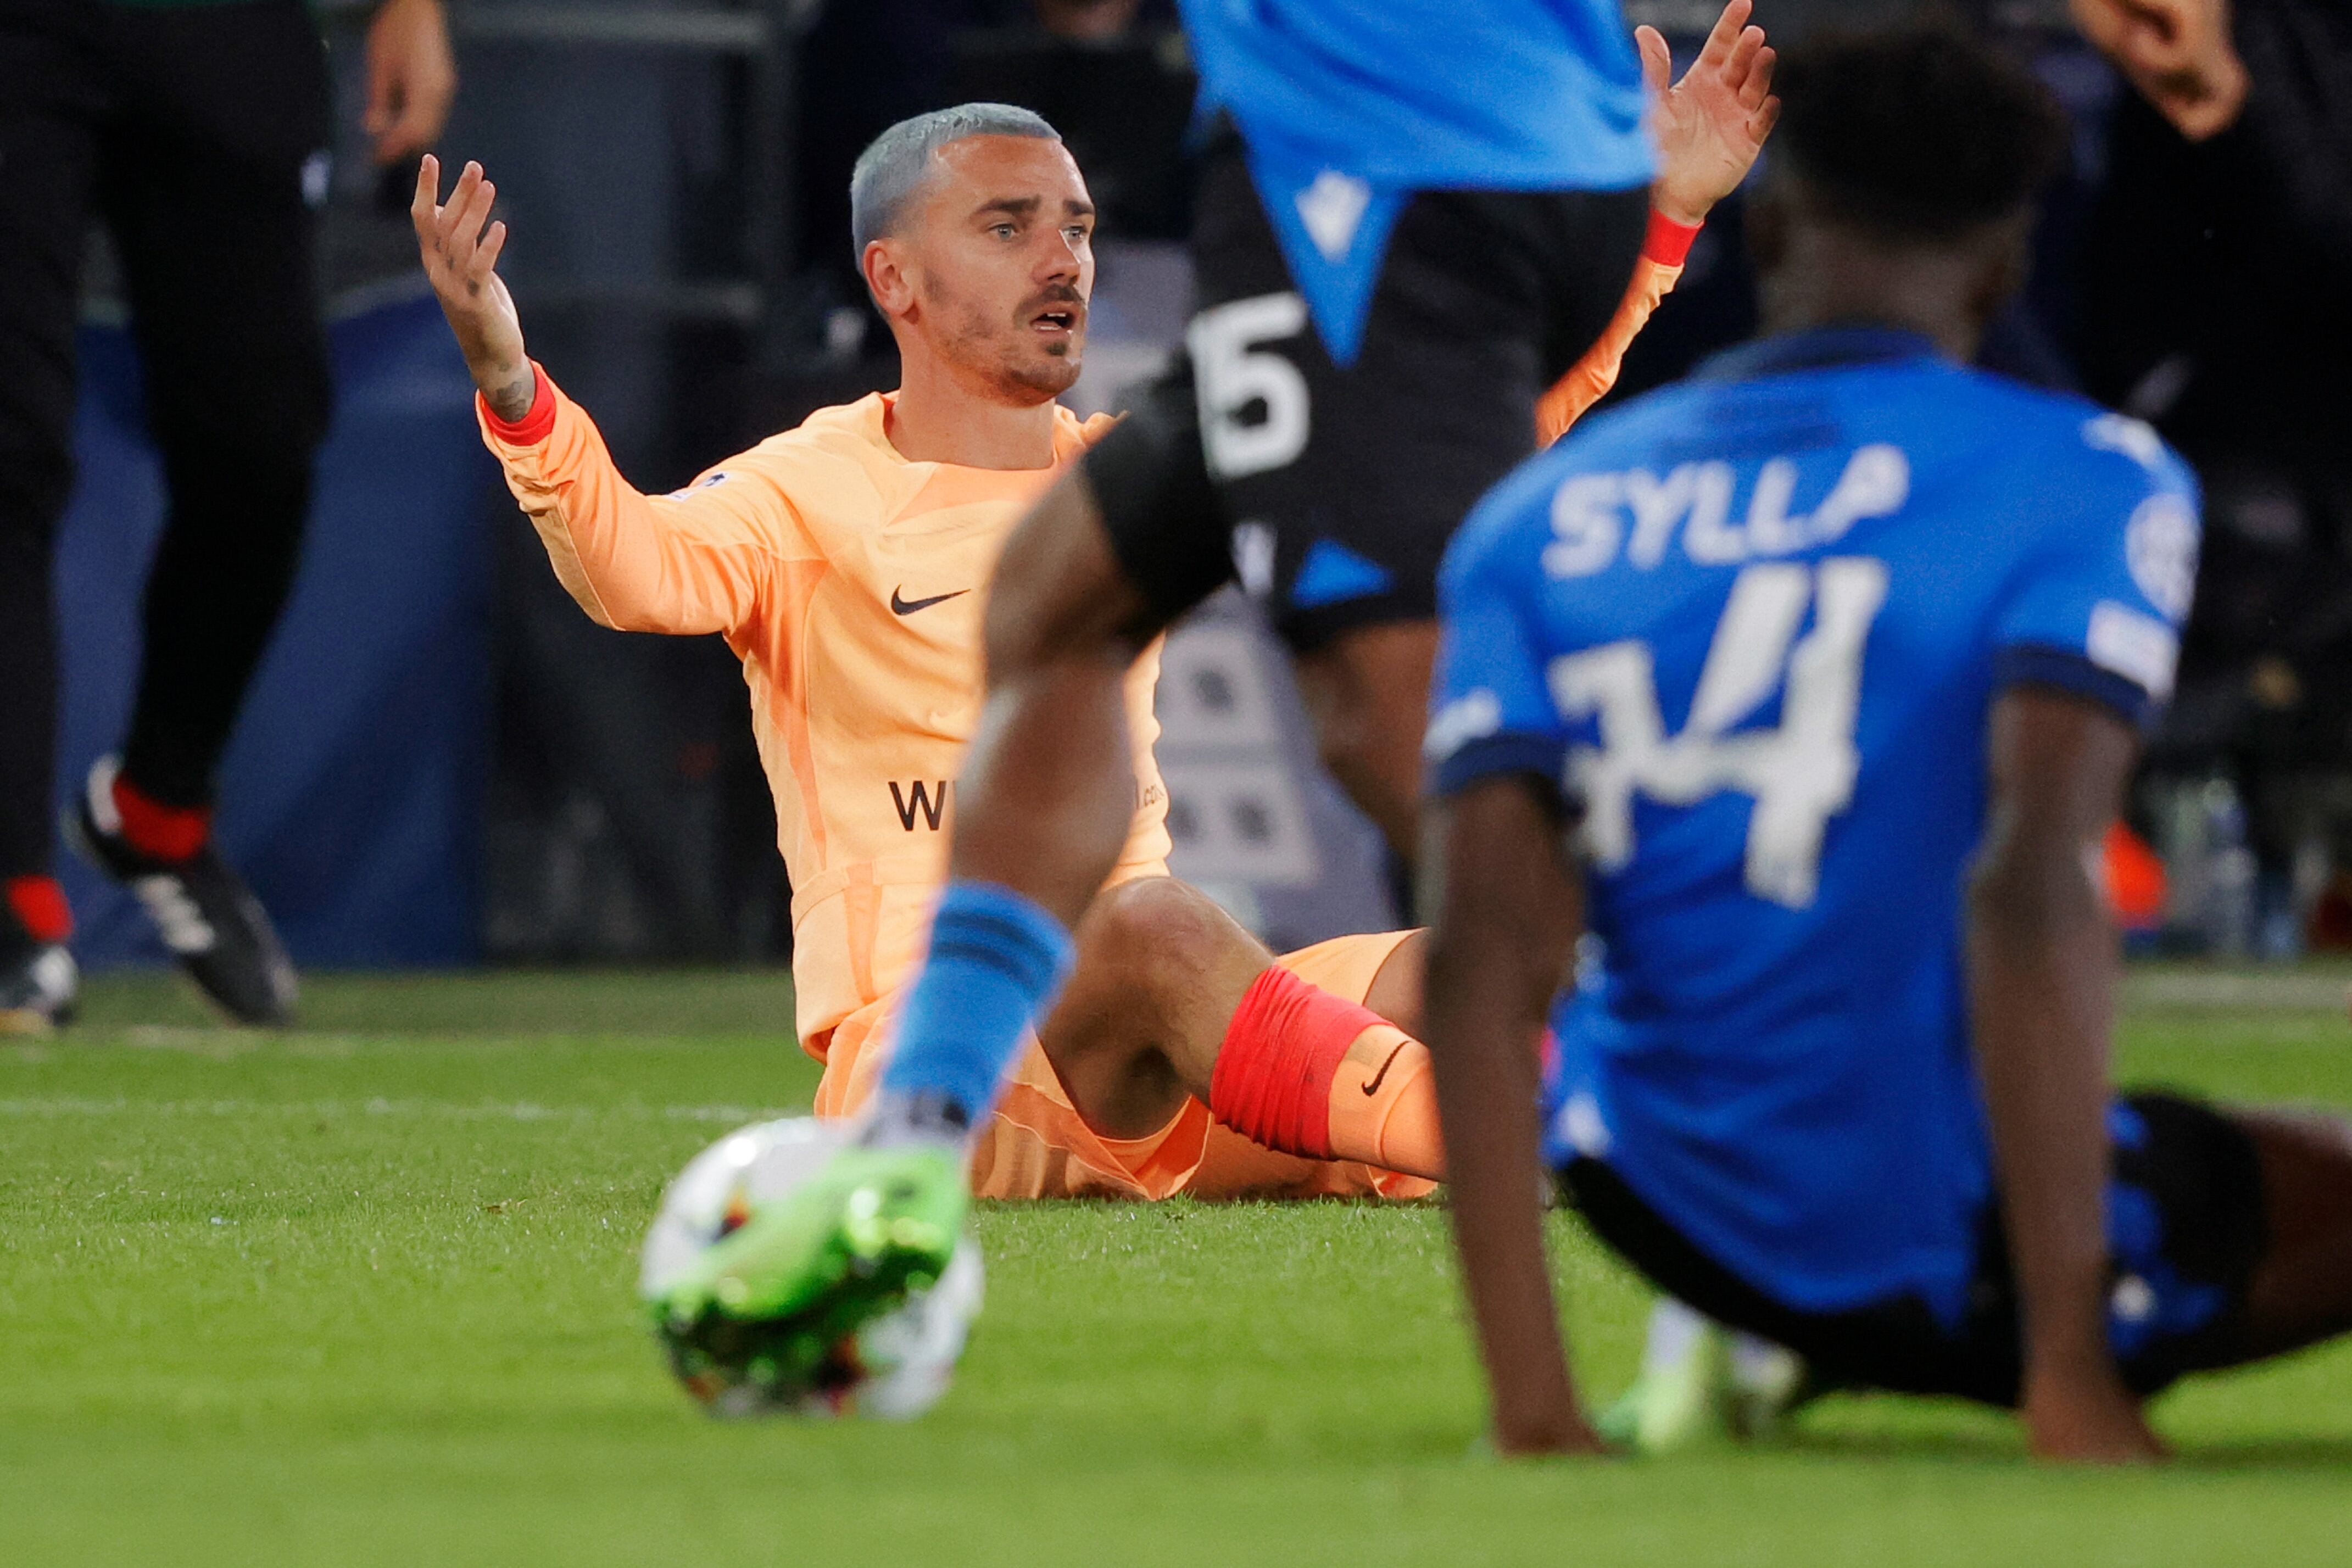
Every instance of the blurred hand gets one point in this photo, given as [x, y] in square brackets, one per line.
[2178, 53]
[1710, 125]
[461, 259]
[410, 77]
[1526, 1434]
[2087, 1417]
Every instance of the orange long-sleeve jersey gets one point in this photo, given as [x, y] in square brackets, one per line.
[851, 582]
[1590, 379]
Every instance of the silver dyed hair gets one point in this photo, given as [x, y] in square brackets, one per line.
[895, 164]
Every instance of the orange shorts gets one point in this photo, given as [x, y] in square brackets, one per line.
[1037, 1146]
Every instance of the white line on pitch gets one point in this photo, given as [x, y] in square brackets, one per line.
[439, 1110]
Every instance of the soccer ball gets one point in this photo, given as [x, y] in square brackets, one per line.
[896, 1367]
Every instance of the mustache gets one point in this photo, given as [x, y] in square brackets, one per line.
[1060, 294]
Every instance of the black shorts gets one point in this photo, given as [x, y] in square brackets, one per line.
[2186, 1212]
[1331, 491]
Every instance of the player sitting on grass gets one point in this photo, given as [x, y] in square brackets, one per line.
[842, 561]
[846, 562]
[1835, 660]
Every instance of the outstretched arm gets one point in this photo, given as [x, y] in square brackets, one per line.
[1710, 127]
[461, 260]
[693, 562]
[2042, 973]
[1508, 912]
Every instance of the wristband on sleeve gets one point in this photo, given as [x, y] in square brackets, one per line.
[1544, 757]
[2032, 664]
[1668, 243]
[535, 424]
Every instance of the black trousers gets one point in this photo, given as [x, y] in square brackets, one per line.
[196, 134]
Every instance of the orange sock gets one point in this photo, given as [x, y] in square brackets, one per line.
[1306, 1072]
[1383, 1104]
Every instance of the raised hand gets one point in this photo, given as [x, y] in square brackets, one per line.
[1711, 125]
[461, 259]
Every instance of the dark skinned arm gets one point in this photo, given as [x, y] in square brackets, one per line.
[1505, 914]
[1048, 792]
[2041, 971]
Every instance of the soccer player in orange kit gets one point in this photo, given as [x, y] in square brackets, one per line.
[846, 562]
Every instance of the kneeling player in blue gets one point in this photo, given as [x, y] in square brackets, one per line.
[1834, 662]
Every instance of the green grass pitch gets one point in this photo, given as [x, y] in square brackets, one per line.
[363, 1294]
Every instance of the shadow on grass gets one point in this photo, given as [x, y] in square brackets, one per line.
[1889, 1428]
[2273, 1455]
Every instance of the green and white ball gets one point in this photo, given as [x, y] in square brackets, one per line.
[896, 1367]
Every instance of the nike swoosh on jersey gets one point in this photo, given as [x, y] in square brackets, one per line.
[908, 606]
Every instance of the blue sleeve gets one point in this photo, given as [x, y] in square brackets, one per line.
[2097, 603]
[1489, 712]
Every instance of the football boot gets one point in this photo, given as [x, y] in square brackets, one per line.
[209, 919]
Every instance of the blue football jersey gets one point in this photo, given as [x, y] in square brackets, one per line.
[1349, 105]
[1754, 622]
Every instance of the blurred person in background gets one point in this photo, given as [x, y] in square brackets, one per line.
[197, 132]
[2223, 248]
[2178, 54]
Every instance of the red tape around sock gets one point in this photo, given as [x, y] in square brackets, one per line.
[167, 832]
[40, 907]
[1282, 1049]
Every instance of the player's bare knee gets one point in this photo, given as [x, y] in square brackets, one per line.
[1158, 932]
